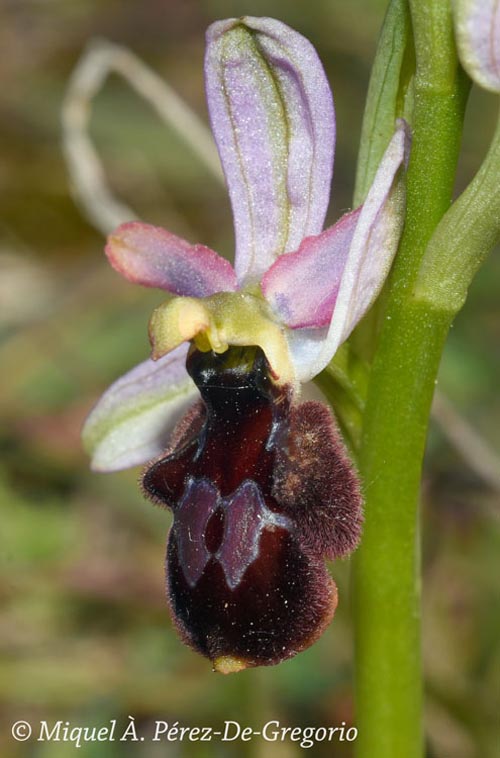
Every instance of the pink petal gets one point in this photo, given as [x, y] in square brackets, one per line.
[302, 287]
[273, 120]
[151, 256]
[132, 421]
[373, 247]
[478, 38]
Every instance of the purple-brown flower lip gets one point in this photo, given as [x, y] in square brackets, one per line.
[257, 508]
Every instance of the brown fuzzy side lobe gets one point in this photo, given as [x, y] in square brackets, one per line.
[315, 483]
[262, 492]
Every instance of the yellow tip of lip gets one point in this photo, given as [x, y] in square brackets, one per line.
[226, 664]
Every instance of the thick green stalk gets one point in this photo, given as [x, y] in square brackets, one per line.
[386, 567]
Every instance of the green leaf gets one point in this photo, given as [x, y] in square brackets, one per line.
[387, 93]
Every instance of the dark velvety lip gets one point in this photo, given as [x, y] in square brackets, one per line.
[262, 491]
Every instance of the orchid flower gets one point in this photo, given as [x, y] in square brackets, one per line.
[261, 488]
[295, 290]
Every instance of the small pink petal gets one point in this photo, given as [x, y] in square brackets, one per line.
[151, 256]
[273, 120]
[373, 247]
[302, 287]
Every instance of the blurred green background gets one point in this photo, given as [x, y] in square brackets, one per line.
[85, 635]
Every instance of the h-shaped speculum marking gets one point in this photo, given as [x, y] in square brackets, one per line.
[245, 515]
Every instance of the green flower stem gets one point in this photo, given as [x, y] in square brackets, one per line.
[386, 567]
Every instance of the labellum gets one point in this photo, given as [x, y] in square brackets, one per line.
[262, 491]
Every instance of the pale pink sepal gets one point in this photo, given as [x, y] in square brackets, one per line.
[151, 256]
[132, 421]
[477, 24]
[273, 120]
[302, 287]
[373, 247]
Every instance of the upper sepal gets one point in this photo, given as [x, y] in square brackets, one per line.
[273, 120]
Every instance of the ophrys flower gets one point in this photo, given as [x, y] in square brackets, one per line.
[263, 483]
